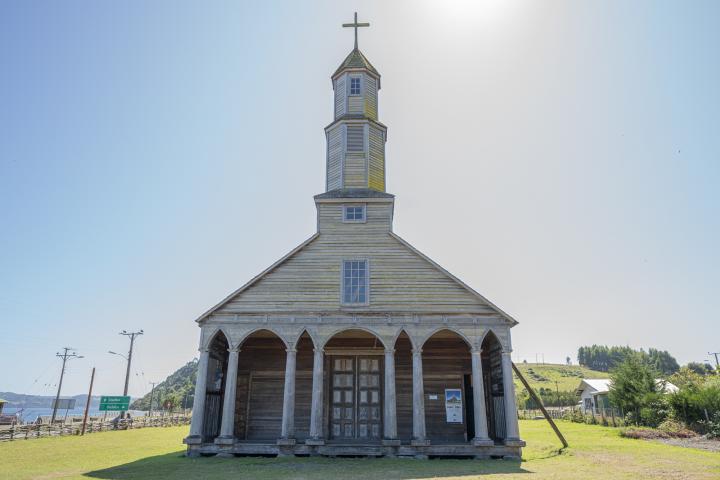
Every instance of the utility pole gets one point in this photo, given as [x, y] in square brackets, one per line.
[132, 336]
[87, 404]
[152, 391]
[65, 356]
[717, 364]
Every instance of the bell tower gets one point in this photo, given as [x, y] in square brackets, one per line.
[355, 138]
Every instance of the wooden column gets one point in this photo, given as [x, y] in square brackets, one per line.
[512, 432]
[481, 429]
[198, 413]
[288, 418]
[316, 412]
[418, 399]
[390, 410]
[227, 425]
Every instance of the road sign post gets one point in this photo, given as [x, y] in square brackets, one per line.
[114, 403]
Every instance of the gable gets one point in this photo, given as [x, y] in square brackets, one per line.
[402, 280]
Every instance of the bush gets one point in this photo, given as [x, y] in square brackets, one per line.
[634, 391]
[655, 410]
[696, 402]
[712, 427]
[676, 429]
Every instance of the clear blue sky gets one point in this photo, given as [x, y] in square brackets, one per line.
[563, 158]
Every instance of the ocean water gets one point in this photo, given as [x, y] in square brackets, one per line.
[28, 415]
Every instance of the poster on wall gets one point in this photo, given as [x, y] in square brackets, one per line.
[453, 405]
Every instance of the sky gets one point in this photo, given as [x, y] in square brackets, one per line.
[562, 158]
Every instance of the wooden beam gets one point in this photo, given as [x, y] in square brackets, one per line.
[540, 404]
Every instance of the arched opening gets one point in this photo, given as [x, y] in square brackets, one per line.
[493, 384]
[303, 386]
[215, 390]
[260, 383]
[447, 379]
[354, 362]
[404, 386]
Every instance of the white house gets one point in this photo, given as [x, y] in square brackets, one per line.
[594, 392]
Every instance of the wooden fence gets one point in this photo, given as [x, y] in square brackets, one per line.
[28, 431]
[604, 416]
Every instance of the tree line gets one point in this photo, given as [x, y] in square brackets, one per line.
[604, 358]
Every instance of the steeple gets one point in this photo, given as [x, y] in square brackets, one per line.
[355, 138]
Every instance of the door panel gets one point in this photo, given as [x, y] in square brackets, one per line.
[356, 398]
[342, 418]
[369, 406]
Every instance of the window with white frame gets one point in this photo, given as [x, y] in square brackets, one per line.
[354, 85]
[353, 213]
[355, 282]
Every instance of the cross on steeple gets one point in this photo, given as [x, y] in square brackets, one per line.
[355, 25]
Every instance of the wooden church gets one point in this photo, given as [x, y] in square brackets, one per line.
[355, 343]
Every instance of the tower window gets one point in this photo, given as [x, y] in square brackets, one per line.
[354, 85]
[356, 139]
[355, 282]
[354, 213]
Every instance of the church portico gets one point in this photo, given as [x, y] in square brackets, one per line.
[378, 390]
[355, 343]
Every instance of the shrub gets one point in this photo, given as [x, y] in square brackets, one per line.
[697, 402]
[634, 390]
[674, 428]
[712, 427]
[655, 409]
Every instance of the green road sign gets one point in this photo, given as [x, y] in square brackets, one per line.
[114, 404]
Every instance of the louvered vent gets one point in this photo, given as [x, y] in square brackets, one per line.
[355, 139]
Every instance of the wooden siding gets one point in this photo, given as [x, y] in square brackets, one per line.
[355, 171]
[340, 96]
[261, 375]
[262, 361]
[335, 154]
[355, 104]
[445, 362]
[371, 97]
[376, 169]
[400, 280]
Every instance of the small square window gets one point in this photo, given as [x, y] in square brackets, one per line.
[355, 282]
[354, 85]
[354, 213]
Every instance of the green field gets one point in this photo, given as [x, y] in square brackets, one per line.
[156, 453]
[567, 376]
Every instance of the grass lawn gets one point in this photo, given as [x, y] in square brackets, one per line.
[567, 376]
[156, 453]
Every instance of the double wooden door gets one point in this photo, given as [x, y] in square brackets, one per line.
[356, 397]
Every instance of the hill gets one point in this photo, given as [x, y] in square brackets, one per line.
[556, 377]
[554, 383]
[176, 391]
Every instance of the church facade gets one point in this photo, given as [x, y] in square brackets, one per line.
[355, 343]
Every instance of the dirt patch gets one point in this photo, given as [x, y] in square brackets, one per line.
[702, 443]
[655, 434]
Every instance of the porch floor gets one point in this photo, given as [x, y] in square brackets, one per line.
[365, 449]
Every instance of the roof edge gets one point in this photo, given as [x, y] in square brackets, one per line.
[454, 278]
[257, 277]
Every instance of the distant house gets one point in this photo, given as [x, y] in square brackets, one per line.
[6, 419]
[594, 392]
